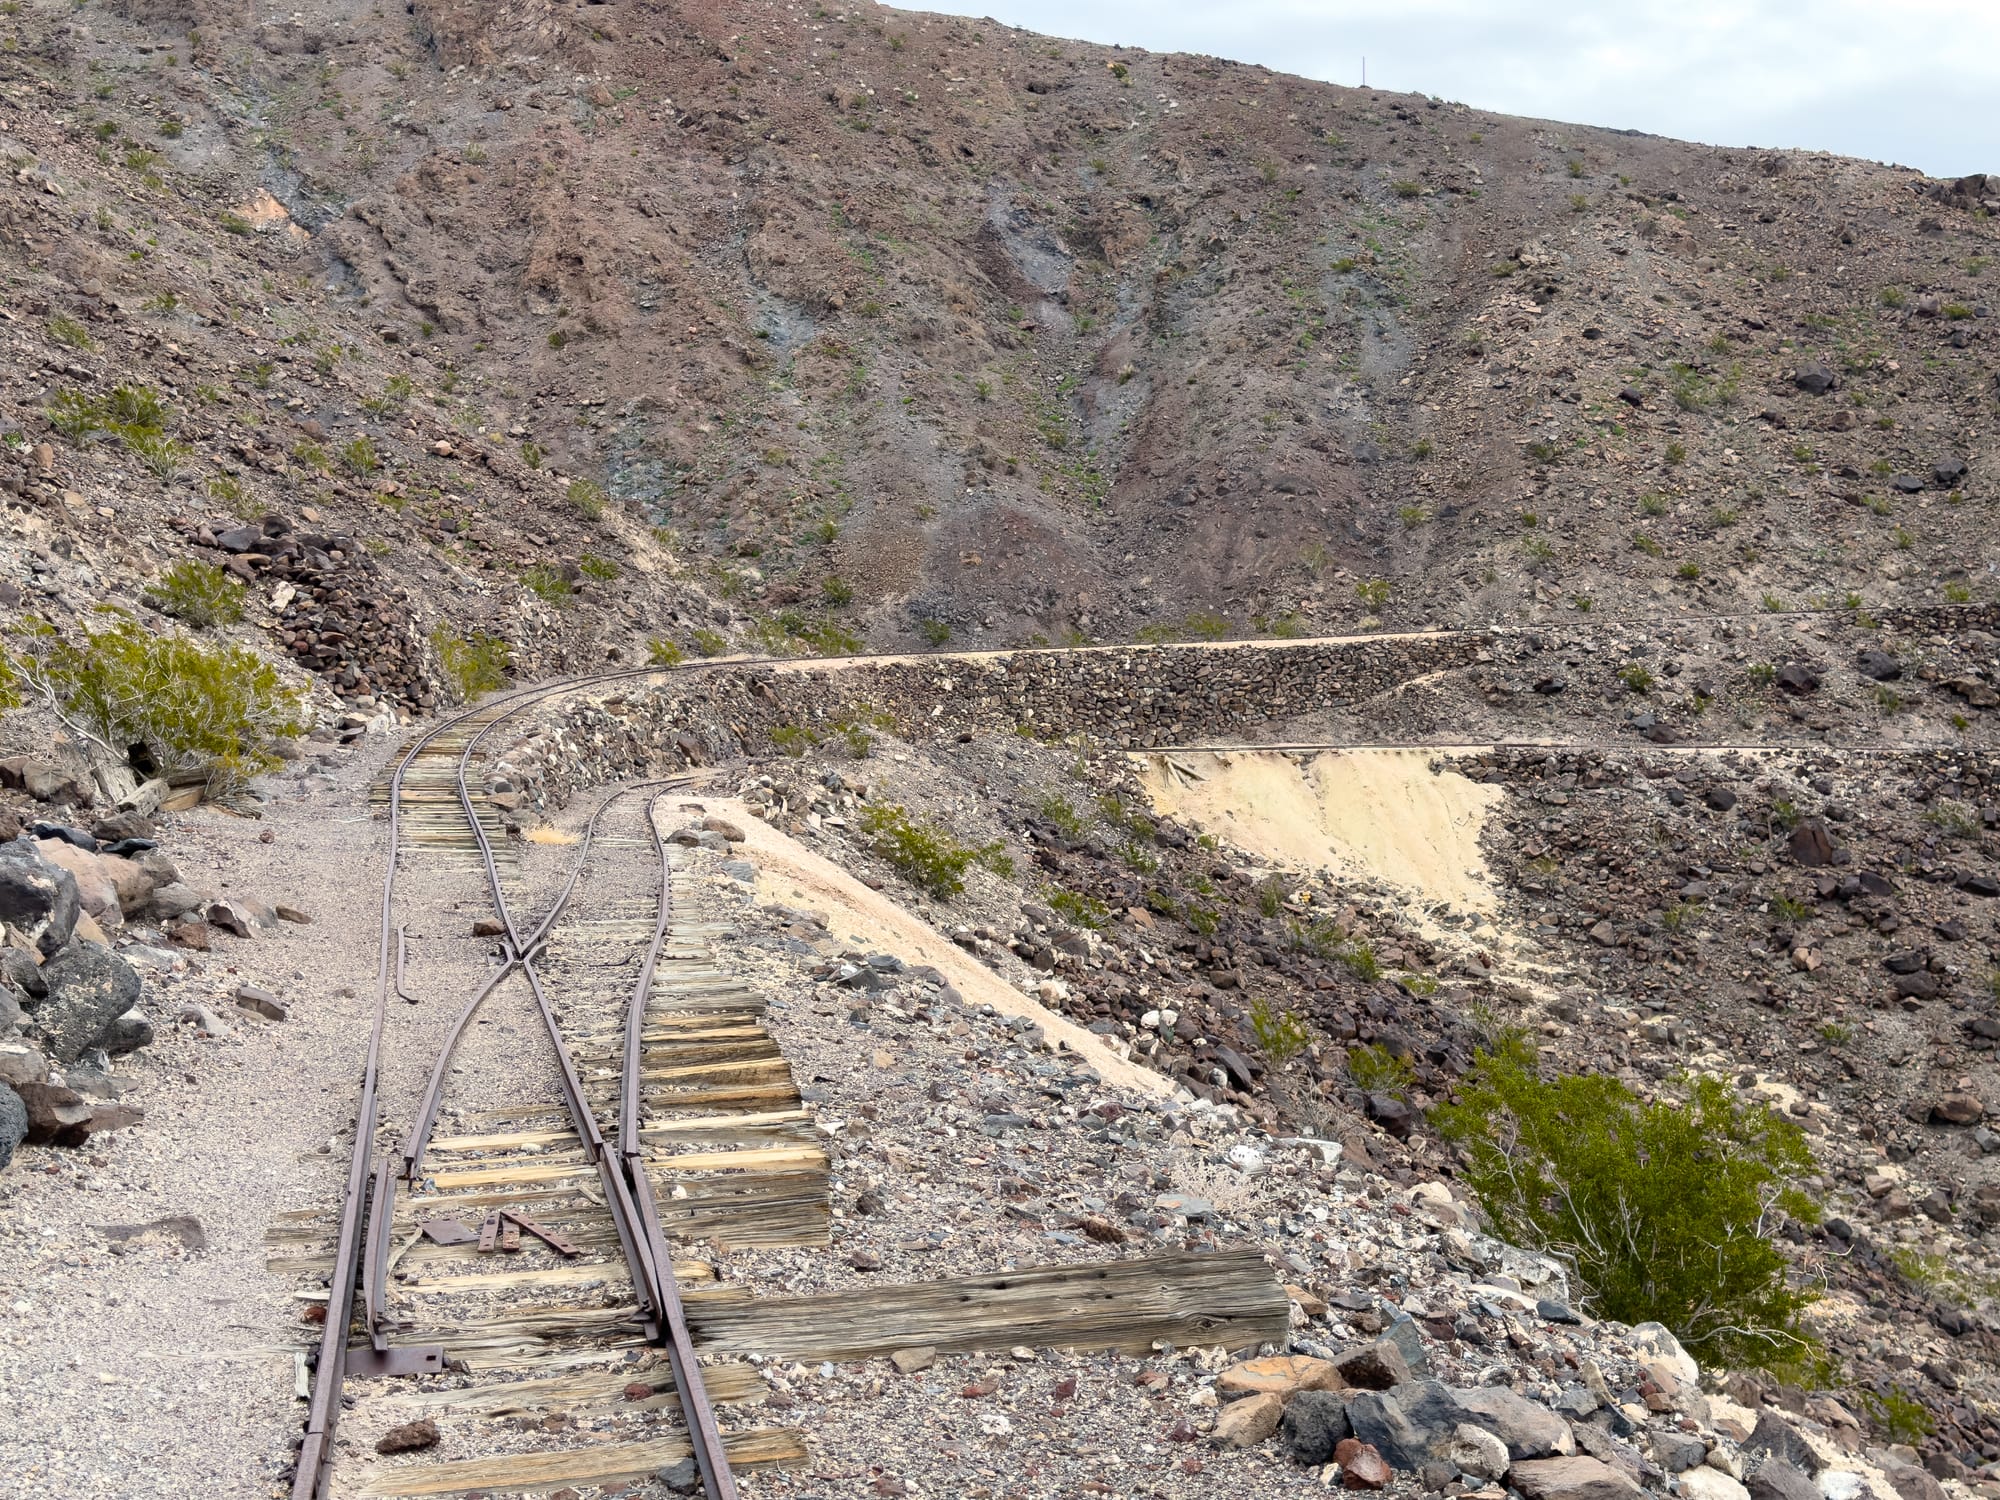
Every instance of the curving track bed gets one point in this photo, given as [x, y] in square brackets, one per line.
[503, 1305]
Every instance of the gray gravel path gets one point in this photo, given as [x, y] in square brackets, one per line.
[164, 1369]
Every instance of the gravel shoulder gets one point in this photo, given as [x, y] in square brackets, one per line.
[164, 1364]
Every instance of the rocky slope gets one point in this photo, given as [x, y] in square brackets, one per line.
[477, 339]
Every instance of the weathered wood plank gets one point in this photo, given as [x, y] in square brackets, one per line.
[608, 1463]
[1230, 1298]
[729, 1383]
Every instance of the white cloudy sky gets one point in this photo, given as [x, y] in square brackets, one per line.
[1915, 82]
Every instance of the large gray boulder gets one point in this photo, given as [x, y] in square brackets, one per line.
[90, 987]
[13, 1123]
[1411, 1425]
[1775, 1479]
[1529, 1429]
[36, 898]
[1774, 1437]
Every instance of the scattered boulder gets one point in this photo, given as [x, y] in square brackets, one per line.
[13, 1124]
[1913, 1483]
[1570, 1479]
[1394, 1115]
[172, 902]
[61, 1116]
[108, 887]
[1773, 1437]
[1879, 666]
[1705, 1483]
[1246, 1423]
[1315, 1422]
[1475, 1451]
[1678, 1451]
[45, 781]
[127, 1033]
[260, 1001]
[1529, 1429]
[37, 898]
[409, 1438]
[1957, 1109]
[1797, 677]
[19, 971]
[1410, 1425]
[1361, 1467]
[1815, 379]
[1775, 1479]
[90, 987]
[1379, 1366]
[239, 916]
[1810, 844]
[1278, 1375]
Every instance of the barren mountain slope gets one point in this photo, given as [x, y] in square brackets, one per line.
[1057, 337]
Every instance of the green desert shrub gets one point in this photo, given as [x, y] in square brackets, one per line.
[923, 853]
[1377, 1070]
[1666, 1208]
[197, 593]
[1280, 1033]
[1078, 909]
[209, 710]
[475, 663]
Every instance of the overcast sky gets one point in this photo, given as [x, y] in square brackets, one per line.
[1914, 82]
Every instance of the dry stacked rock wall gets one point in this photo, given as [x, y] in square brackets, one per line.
[1142, 696]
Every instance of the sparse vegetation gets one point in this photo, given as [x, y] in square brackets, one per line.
[1078, 909]
[920, 851]
[1377, 1070]
[198, 594]
[475, 663]
[1280, 1033]
[213, 711]
[1667, 1210]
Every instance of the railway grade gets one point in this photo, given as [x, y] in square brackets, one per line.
[520, 1262]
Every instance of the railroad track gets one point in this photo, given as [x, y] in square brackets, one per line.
[521, 1262]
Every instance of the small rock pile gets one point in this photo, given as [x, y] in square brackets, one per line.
[337, 614]
[1625, 1413]
[68, 1004]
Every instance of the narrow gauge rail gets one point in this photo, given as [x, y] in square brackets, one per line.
[363, 1242]
[360, 1258]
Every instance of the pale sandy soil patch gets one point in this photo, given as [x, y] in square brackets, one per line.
[793, 875]
[1369, 813]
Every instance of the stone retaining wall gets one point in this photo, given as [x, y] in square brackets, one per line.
[1138, 696]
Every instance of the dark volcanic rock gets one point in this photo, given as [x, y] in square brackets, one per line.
[90, 987]
[13, 1123]
[1810, 844]
[36, 897]
[1313, 1424]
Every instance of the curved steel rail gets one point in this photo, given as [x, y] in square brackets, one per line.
[330, 1364]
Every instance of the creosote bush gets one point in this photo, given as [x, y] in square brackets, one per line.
[475, 663]
[1667, 1210]
[923, 853]
[1281, 1034]
[197, 593]
[212, 711]
[1377, 1070]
